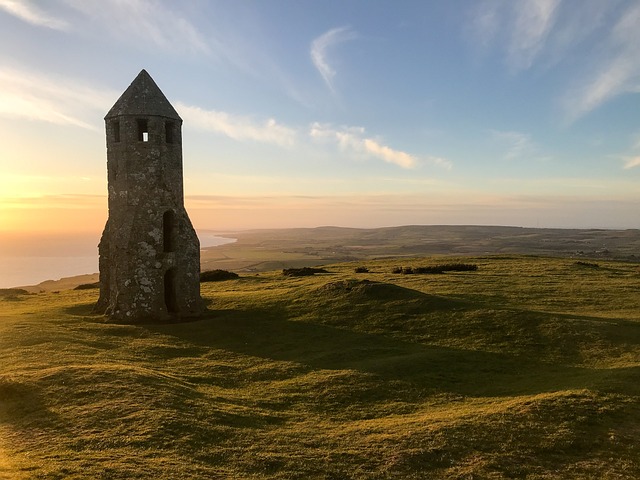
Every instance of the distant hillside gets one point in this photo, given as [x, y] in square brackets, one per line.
[66, 283]
[262, 250]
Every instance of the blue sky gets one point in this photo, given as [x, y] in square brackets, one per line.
[352, 113]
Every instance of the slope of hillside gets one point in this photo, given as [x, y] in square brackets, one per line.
[264, 250]
[527, 367]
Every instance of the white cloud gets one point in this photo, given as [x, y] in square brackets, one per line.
[632, 163]
[353, 140]
[55, 100]
[31, 14]
[144, 22]
[615, 72]
[544, 32]
[320, 47]
[485, 22]
[440, 162]
[237, 127]
[574, 27]
[533, 20]
[515, 144]
[525, 25]
[534, 32]
[387, 154]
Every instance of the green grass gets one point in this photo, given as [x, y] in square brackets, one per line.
[528, 367]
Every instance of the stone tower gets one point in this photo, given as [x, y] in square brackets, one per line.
[149, 251]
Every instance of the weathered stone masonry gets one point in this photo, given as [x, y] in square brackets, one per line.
[149, 251]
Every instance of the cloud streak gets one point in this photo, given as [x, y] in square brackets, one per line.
[525, 26]
[615, 72]
[319, 51]
[237, 127]
[632, 163]
[533, 33]
[533, 20]
[150, 23]
[29, 13]
[353, 140]
[516, 144]
[54, 100]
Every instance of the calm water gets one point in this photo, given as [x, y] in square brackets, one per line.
[31, 270]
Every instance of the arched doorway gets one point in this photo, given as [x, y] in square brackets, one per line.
[170, 300]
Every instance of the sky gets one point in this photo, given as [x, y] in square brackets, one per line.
[360, 113]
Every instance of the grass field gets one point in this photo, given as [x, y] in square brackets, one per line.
[528, 367]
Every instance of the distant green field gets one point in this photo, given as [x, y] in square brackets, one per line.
[528, 367]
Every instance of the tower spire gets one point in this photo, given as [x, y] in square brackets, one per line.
[143, 97]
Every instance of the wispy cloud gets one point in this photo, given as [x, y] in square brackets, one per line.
[144, 22]
[319, 51]
[353, 140]
[632, 163]
[387, 154]
[485, 23]
[237, 127]
[616, 70]
[575, 27]
[541, 33]
[55, 100]
[515, 144]
[525, 26]
[533, 20]
[29, 13]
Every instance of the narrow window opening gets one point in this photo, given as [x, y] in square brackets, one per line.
[170, 291]
[143, 130]
[168, 131]
[116, 131]
[168, 231]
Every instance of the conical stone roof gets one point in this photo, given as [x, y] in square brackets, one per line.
[143, 97]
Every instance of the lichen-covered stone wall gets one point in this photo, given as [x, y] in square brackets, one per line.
[149, 251]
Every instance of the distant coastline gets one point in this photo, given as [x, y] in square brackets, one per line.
[28, 270]
[208, 239]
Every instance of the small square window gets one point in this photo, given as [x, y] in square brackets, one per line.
[143, 130]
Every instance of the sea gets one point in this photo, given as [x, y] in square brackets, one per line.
[16, 271]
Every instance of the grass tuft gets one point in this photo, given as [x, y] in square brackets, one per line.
[302, 272]
[217, 275]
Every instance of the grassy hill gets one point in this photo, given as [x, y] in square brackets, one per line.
[527, 367]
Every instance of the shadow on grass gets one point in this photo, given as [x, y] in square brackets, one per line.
[399, 366]
[23, 405]
[81, 309]
[327, 330]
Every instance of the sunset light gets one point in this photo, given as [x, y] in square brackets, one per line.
[482, 112]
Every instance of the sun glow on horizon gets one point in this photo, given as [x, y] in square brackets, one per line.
[52, 213]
